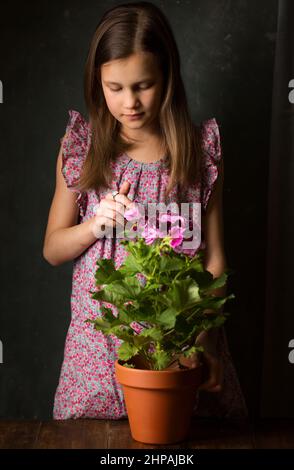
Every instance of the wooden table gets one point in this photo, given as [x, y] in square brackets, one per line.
[111, 434]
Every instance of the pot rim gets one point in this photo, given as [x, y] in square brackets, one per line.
[159, 379]
[151, 371]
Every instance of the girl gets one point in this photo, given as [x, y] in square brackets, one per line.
[139, 144]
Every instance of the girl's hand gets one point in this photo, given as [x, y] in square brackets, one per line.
[213, 373]
[110, 212]
[213, 366]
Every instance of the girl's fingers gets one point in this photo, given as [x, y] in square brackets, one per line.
[120, 198]
[115, 205]
[118, 206]
[211, 385]
[124, 200]
[215, 371]
[216, 388]
[110, 212]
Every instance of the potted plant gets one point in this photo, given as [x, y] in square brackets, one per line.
[164, 299]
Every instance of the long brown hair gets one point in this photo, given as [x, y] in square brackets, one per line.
[123, 30]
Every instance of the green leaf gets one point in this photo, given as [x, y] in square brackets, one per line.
[182, 327]
[170, 264]
[192, 350]
[214, 302]
[218, 282]
[161, 359]
[106, 272]
[126, 351]
[152, 333]
[141, 340]
[108, 313]
[168, 317]
[119, 292]
[122, 334]
[183, 294]
[150, 289]
[141, 312]
[101, 324]
[130, 266]
[203, 279]
[197, 263]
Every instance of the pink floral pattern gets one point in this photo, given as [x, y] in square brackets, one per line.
[87, 385]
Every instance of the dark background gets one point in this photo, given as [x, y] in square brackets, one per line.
[227, 50]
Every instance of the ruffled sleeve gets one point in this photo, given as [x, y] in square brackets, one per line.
[212, 154]
[75, 145]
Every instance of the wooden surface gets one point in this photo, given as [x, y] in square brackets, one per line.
[111, 434]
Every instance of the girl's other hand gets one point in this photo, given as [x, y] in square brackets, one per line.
[213, 365]
[110, 212]
[213, 373]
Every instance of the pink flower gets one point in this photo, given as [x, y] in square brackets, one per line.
[176, 234]
[132, 213]
[136, 215]
[150, 234]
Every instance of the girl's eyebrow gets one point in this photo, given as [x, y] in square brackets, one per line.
[138, 83]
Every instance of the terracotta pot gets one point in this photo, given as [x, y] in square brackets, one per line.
[159, 403]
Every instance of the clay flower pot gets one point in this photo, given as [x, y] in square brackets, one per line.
[159, 403]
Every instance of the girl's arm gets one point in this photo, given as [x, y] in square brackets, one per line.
[213, 228]
[215, 262]
[214, 256]
[64, 238]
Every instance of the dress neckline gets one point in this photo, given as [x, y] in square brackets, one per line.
[125, 158]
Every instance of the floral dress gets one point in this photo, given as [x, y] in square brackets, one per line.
[87, 386]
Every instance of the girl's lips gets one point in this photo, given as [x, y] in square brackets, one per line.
[134, 116]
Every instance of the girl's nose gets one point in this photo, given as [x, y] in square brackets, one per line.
[131, 100]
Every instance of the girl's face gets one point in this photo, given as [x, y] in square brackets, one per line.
[133, 85]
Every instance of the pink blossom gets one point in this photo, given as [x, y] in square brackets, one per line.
[176, 234]
[150, 234]
[133, 213]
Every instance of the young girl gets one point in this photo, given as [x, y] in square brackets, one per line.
[139, 144]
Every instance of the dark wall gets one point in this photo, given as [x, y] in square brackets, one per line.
[278, 362]
[227, 50]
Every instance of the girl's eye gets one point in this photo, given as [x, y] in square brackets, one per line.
[141, 88]
[145, 87]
